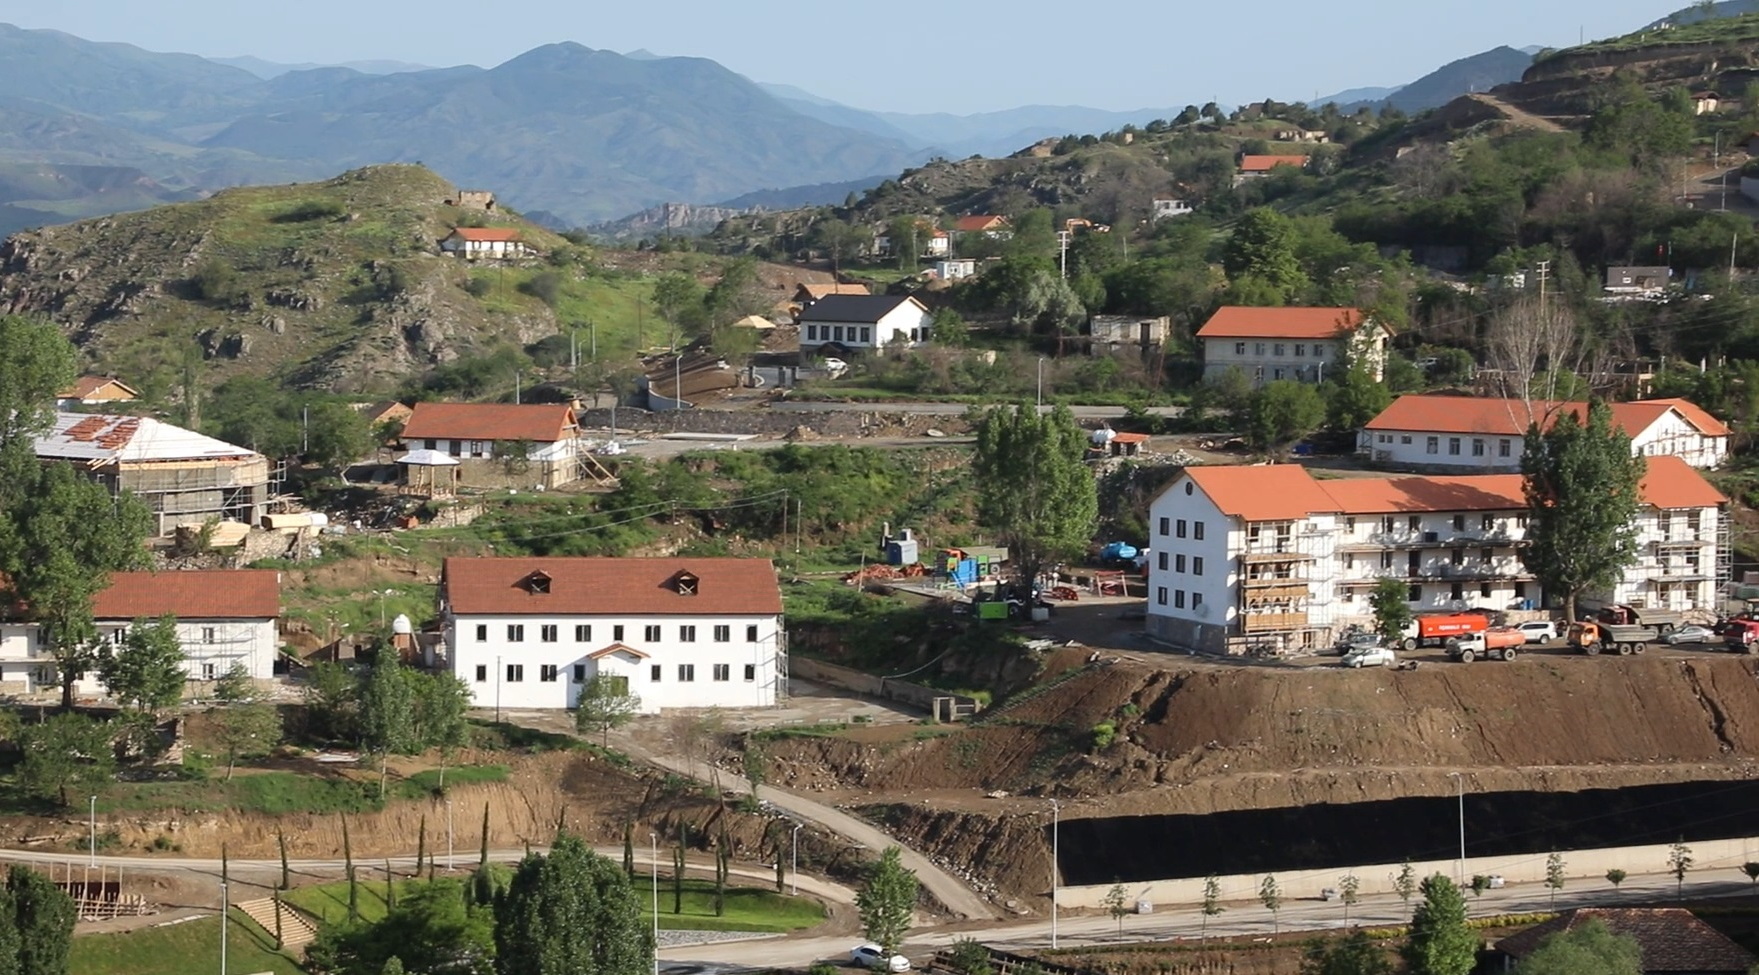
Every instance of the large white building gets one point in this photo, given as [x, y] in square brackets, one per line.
[1472, 434]
[224, 617]
[679, 632]
[1299, 344]
[487, 444]
[855, 323]
[1270, 556]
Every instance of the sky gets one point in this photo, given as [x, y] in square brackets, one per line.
[962, 57]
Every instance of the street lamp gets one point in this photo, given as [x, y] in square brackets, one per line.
[794, 856]
[225, 909]
[1040, 403]
[93, 856]
[654, 862]
[1458, 778]
[1056, 823]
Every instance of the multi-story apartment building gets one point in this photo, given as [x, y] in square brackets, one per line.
[1270, 556]
[1476, 435]
[677, 633]
[1300, 344]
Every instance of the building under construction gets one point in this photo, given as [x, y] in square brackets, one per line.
[183, 477]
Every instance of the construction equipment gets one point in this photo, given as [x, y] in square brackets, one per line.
[1498, 643]
[1741, 635]
[1659, 622]
[1593, 636]
[1440, 627]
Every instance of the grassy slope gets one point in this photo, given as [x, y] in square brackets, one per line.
[193, 946]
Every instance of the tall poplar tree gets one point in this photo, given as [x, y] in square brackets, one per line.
[1581, 482]
[1034, 490]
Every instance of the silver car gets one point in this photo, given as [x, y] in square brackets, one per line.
[1690, 633]
[1538, 631]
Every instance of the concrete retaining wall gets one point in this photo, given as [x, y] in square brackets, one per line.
[1711, 856]
[904, 692]
[774, 423]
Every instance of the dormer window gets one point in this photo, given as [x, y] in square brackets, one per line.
[538, 583]
[685, 583]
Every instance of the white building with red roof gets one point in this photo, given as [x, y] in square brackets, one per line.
[1299, 344]
[1270, 556]
[1473, 434]
[491, 444]
[224, 617]
[485, 243]
[676, 632]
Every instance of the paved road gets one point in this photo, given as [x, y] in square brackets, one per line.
[947, 409]
[1183, 922]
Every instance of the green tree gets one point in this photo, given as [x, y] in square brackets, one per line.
[1405, 884]
[1679, 861]
[236, 686]
[64, 537]
[568, 913]
[1615, 876]
[36, 363]
[679, 299]
[1270, 894]
[388, 711]
[1350, 886]
[145, 671]
[64, 753]
[1440, 942]
[1751, 869]
[1585, 949]
[1356, 398]
[1581, 483]
[44, 922]
[1228, 393]
[1356, 954]
[738, 293]
[605, 702]
[1262, 247]
[245, 730]
[1117, 904]
[1034, 490]
[434, 926]
[336, 436]
[1212, 902]
[907, 235]
[1554, 874]
[442, 706]
[840, 240]
[332, 701]
[1283, 412]
[1392, 613]
[970, 956]
[886, 901]
[949, 329]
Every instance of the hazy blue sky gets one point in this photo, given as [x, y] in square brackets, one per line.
[960, 56]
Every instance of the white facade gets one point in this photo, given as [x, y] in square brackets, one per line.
[1164, 208]
[674, 661]
[906, 325]
[956, 269]
[1470, 435]
[559, 450]
[460, 245]
[1466, 453]
[1307, 359]
[210, 649]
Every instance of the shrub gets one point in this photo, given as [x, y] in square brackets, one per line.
[545, 286]
[479, 287]
[309, 210]
[1104, 734]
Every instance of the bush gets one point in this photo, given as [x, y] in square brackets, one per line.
[1104, 734]
[217, 282]
[545, 286]
[478, 287]
[309, 210]
[970, 956]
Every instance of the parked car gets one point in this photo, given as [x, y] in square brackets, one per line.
[873, 956]
[1356, 640]
[1690, 633]
[1375, 656]
[1538, 631]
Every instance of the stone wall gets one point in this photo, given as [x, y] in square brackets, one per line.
[904, 692]
[772, 423]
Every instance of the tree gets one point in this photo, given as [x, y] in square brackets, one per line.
[1752, 871]
[1282, 412]
[1212, 902]
[970, 956]
[1270, 894]
[1351, 887]
[886, 901]
[738, 293]
[1581, 483]
[1440, 942]
[1356, 954]
[1356, 398]
[949, 328]
[1532, 345]
[434, 926]
[1392, 613]
[336, 435]
[1554, 874]
[1117, 904]
[36, 363]
[1262, 247]
[146, 670]
[236, 686]
[1228, 393]
[571, 912]
[1679, 861]
[65, 752]
[1034, 490]
[755, 763]
[245, 730]
[332, 701]
[442, 705]
[387, 711]
[905, 234]
[605, 703]
[1405, 884]
[44, 916]
[64, 537]
[1585, 949]
[839, 239]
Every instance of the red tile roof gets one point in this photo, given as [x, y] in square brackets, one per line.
[624, 587]
[979, 222]
[1510, 417]
[1691, 412]
[85, 386]
[537, 422]
[616, 648]
[1238, 322]
[1389, 495]
[196, 595]
[1264, 164]
[1669, 482]
[487, 234]
[1672, 939]
[1277, 492]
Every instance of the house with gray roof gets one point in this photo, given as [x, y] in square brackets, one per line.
[857, 323]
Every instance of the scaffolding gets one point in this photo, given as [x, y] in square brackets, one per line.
[194, 492]
[100, 899]
[1285, 574]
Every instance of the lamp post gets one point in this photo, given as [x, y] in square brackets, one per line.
[92, 858]
[794, 858]
[1056, 823]
[1040, 402]
[1461, 780]
[654, 862]
[225, 909]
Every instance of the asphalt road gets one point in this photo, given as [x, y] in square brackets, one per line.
[947, 409]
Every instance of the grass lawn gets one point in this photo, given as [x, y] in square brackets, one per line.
[748, 908]
[278, 793]
[193, 946]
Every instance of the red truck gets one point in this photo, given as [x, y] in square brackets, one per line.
[1498, 644]
[1741, 636]
[1433, 628]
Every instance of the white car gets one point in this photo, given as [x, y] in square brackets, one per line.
[1370, 657]
[1539, 631]
[873, 956]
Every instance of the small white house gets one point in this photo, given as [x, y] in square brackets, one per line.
[224, 617]
[541, 437]
[956, 268]
[1165, 208]
[1475, 434]
[485, 243]
[857, 322]
[676, 632]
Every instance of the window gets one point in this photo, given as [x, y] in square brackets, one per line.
[1477, 447]
[1258, 348]
[750, 672]
[1386, 560]
[812, 333]
[687, 672]
[1453, 446]
[515, 632]
[1484, 589]
[547, 673]
[515, 673]
[1350, 524]
[1166, 526]
[1179, 563]
[1457, 557]
[837, 331]
[482, 632]
[1197, 530]
[208, 672]
[1277, 374]
[1386, 524]
[1486, 522]
[617, 633]
[429, 444]
[547, 633]
[1196, 565]
[1502, 448]
[1414, 594]
[1521, 520]
[1279, 350]
[1300, 350]
[579, 673]
[1432, 445]
[1319, 350]
[1415, 523]
[207, 634]
[1239, 348]
[1484, 555]
[653, 673]
[723, 633]
[866, 334]
[687, 634]
[723, 672]
[1459, 523]
[1181, 528]
[1163, 561]
[651, 633]
[1160, 596]
[1178, 599]
[751, 633]
[1405, 439]
[583, 633]
[1457, 592]
[1196, 600]
[482, 673]
[477, 448]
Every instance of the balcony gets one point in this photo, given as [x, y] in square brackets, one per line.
[1381, 541]
[1260, 554]
[1251, 622]
[1275, 589]
[1685, 542]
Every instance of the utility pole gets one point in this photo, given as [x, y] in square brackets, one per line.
[515, 387]
[1055, 844]
[1063, 246]
[1732, 244]
[1544, 269]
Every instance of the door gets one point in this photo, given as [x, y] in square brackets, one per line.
[1414, 563]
